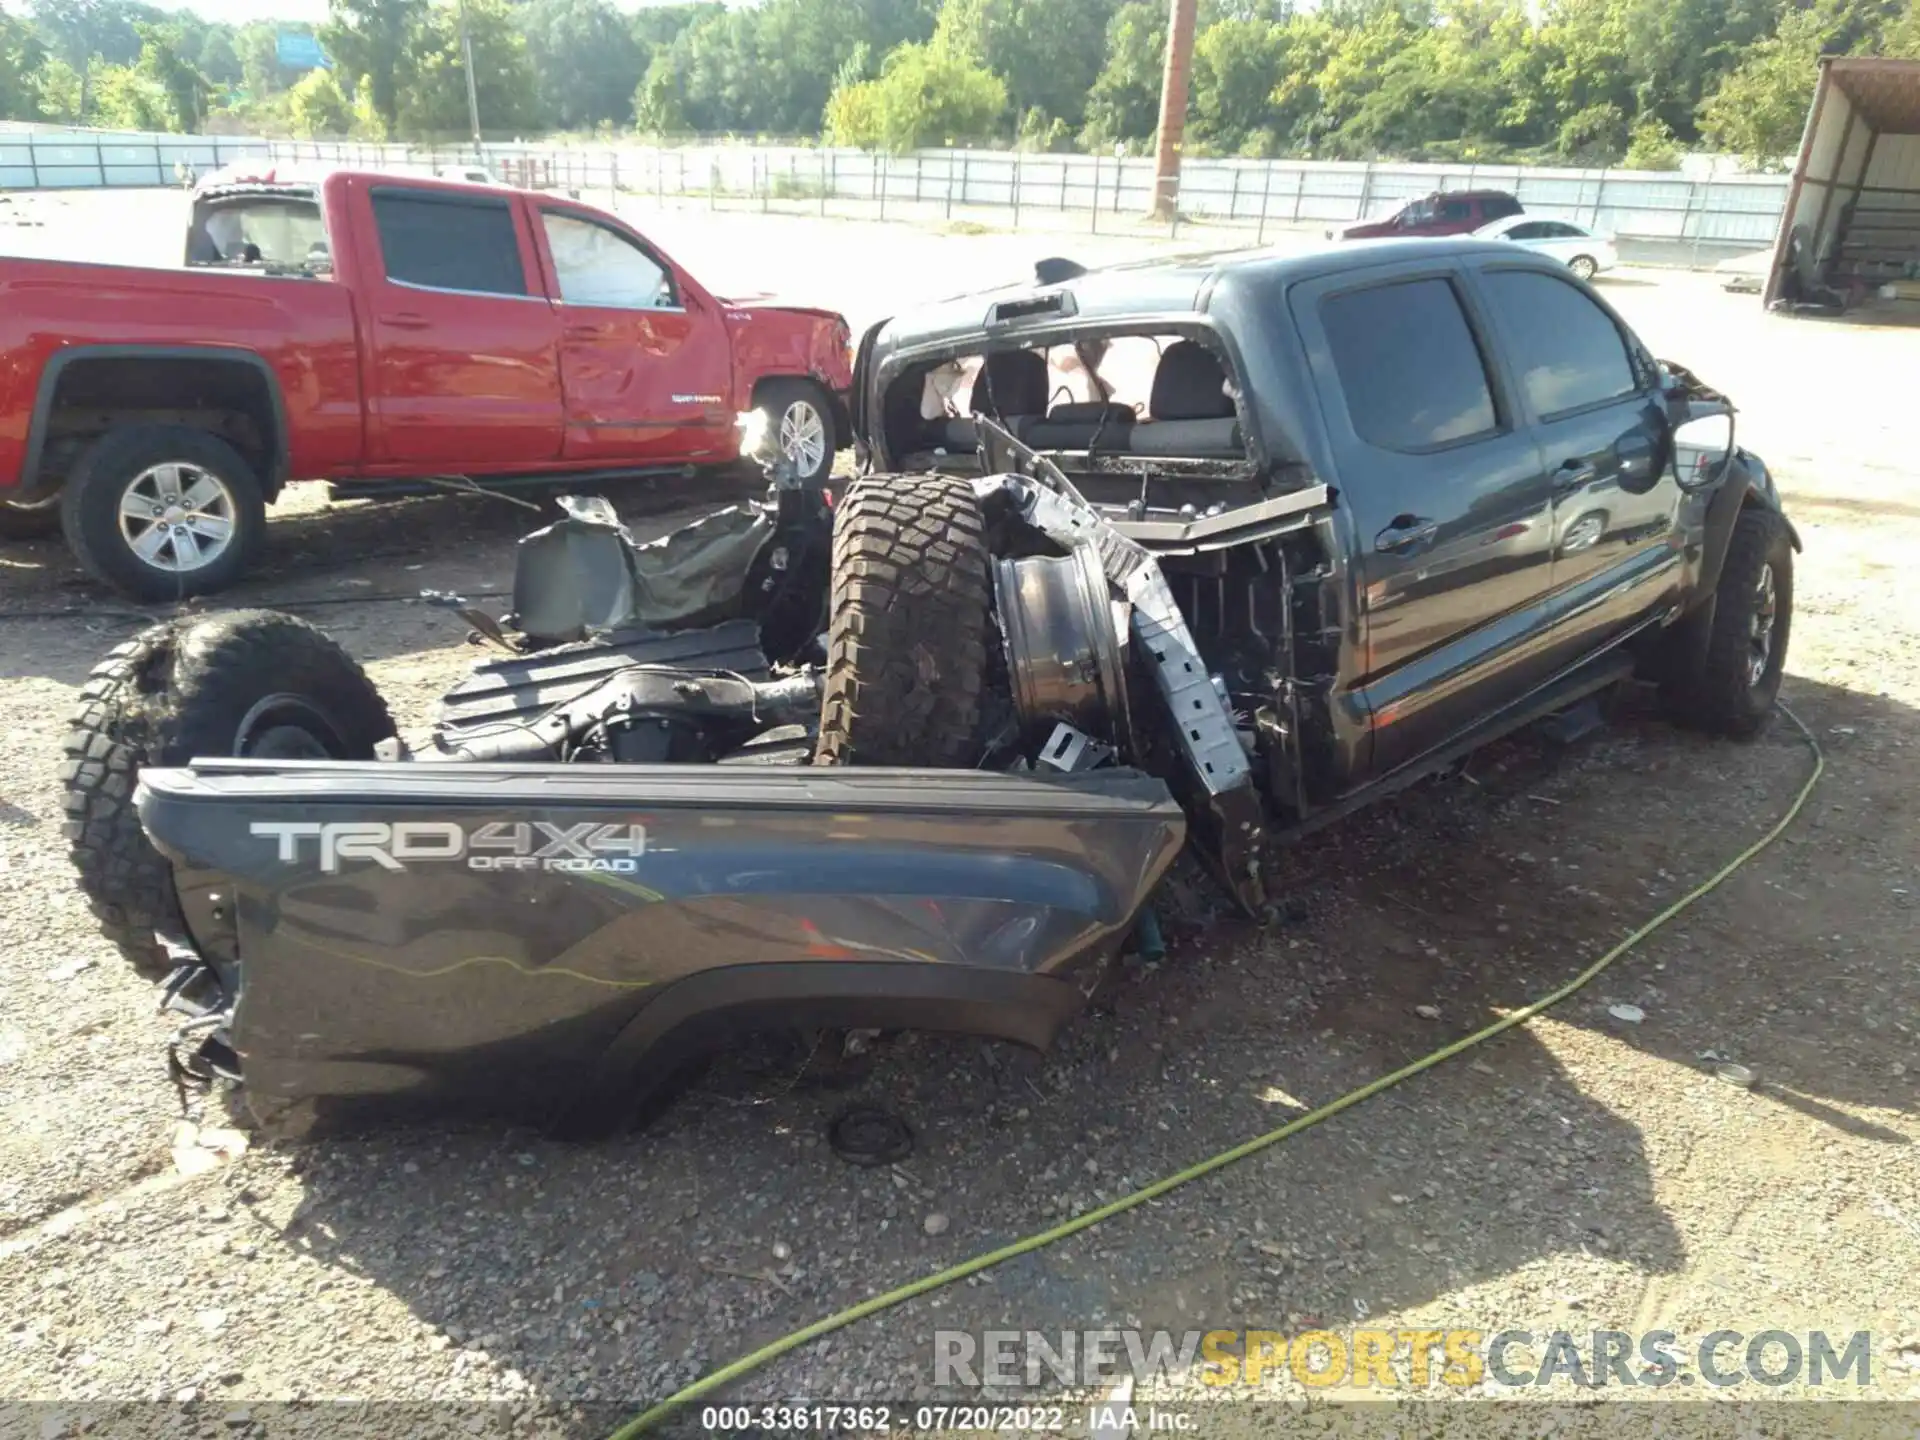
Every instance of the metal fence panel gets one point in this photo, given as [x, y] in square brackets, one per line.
[1675, 211]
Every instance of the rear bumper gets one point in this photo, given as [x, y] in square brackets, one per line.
[550, 943]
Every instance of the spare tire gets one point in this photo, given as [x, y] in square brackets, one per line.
[245, 683]
[909, 624]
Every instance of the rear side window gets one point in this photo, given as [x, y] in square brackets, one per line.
[1567, 349]
[449, 244]
[1456, 210]
[1408, 365]
[1498, 207]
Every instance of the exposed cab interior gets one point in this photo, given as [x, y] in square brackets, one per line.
[1118, 411]
[276, 230]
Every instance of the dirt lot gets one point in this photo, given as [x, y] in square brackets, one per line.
[1583, 1173]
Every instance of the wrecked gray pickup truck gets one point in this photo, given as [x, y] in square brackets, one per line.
[1301, 531]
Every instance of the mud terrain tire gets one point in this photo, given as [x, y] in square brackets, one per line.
[1729, 686]
[908, 627]
[244, 682]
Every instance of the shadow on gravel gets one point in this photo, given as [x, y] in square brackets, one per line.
[619, 1271]
[325, 563]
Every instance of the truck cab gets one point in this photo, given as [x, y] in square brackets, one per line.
[1408, 495]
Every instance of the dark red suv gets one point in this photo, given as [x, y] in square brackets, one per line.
[1454, 212]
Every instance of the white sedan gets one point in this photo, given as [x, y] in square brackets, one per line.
[1585, 252]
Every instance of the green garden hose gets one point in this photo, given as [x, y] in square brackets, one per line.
[747, 1364]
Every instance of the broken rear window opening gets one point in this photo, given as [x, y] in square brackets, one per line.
[278, 231]
[1114, 411]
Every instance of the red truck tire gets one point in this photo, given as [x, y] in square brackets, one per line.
[162, 512]
[801, 418]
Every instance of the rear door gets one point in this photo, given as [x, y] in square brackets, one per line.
[1456, 216]
[1592, 399]
[463, 369]
[1450, 508]
[645, 364]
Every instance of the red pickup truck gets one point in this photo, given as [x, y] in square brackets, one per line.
[370, 330]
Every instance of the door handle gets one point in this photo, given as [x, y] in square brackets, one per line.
[1574, 473]
[1405, 533]
[406, 320]
[588, 332]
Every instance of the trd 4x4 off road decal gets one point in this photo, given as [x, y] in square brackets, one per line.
[497, 845]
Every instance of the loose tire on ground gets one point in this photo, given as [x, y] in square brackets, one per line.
[799, 416]
[1728, 686]
[18, 523]
[246, 682]
[909, 621]
[113, 478]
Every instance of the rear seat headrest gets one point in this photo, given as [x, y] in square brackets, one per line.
[1188, 385]
[1019, 384]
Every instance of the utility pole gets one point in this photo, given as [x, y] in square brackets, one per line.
[473, 90]
[1173, 107]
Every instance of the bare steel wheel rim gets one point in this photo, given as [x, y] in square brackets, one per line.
[177, 517]
[1766, 610]
[803, 436]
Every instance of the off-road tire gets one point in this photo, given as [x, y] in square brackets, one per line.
[1713, 688]
[909, 623]
[176, 691]
[775, 397]
[18, 523]
[90, 510]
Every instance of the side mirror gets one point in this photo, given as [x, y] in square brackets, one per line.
[1702, 446]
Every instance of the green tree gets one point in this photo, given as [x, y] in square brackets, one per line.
[656, 103]
[1049, 52]
[584, 56]
[433, 95]
[56, 86]
[1652, 146]
[925, 95]
[1236, 64]
[21, 58]
[1760, 108]
[163, 61]
[1124, 103]
[219, 59]
[658, 25]
[79, 30]
[124, 99]
[260, 73]
[317, 106]
[372, 39]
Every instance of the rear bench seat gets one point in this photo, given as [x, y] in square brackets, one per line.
[1189, 411]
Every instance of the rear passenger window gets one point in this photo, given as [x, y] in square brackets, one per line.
[1566, 348]
[449, 244]
[1408, 365]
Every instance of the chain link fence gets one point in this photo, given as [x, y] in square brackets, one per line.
[1660, 218]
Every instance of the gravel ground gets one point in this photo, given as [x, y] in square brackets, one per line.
[1582, 1173]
